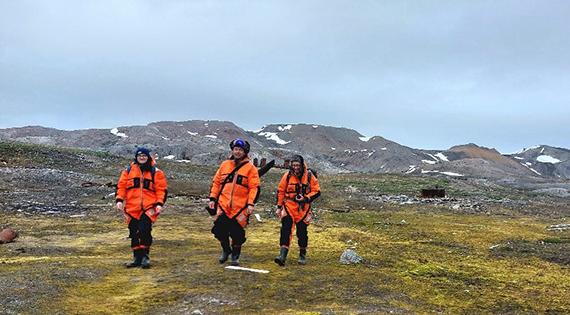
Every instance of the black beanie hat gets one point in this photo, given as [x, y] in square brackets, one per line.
[142, 150]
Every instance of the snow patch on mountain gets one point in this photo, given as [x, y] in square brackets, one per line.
[527, 149]
[547, 159]
[530, 168]
[444, 173]
[411, 169]
[116, 132]
[258, 130]
[273, 137]
[433, 157]
[442, 157]
[288, 127]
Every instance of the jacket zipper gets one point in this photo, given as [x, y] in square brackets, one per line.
[234, 180]
[141, 185]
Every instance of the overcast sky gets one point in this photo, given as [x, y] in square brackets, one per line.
[426, 74]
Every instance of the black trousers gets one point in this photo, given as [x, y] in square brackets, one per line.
[226, 228]
[286, 229]
[140, 232]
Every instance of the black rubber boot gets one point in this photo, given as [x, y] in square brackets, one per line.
[302, 256]
[280, 260]
[145, 262]
[137, 260]
[236, 251]
[226, 251]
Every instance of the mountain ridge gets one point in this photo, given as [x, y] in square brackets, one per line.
[332, 149]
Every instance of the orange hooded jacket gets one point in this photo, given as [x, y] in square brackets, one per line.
[241, 189]
[139, 193]
[290, 186]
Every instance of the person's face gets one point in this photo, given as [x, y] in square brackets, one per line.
[238, 153]
[142, 158]
[296, 166]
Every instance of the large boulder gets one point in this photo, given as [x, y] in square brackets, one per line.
[350, 257]
[7, 235]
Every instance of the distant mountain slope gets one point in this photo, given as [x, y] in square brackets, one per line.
[327, 148]
[545, 160]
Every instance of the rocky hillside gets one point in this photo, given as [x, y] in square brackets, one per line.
[329, 149]
[545, 161]
[473, 160]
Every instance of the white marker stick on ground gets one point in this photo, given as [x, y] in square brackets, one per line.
[257, 217]
[247, 269]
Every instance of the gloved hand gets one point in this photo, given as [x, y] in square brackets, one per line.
[250, 209]
[279, 211]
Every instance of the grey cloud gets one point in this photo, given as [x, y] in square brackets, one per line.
[427, 74]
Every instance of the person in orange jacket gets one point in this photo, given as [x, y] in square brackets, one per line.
[141, 194]
[235, 190]
[297, 189]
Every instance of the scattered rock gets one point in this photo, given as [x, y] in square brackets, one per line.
[7, 235]
[350, 257]
[351, 189]
[558, 227]
[469, 205]
[555, 192]
[345, 210]
[214, 301]
[197, 312]
[109, 196]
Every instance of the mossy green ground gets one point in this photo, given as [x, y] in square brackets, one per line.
[415, 262]
[418, 259]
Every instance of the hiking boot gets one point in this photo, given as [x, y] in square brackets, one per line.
[302, 256]
[236, 251]
[145, 262]
[224, 256]
[226, 251]
[137, 260]
[280, 260]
